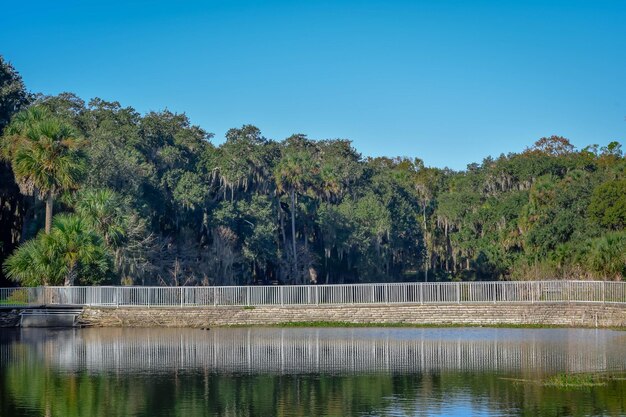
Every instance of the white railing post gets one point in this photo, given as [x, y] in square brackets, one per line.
[280, 293]
[603, 292]
[421, 293]
[458, 293]
[568, 285]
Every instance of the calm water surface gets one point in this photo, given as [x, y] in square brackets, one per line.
[307, 372]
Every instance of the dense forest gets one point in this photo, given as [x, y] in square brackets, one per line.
[94, 192]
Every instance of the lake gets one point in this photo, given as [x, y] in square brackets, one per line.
[311, 372]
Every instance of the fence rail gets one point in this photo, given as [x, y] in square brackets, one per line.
[396, 293]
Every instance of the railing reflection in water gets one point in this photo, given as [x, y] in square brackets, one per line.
[297, 351]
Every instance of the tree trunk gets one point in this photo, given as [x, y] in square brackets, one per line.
[281, 218]
[70, 278]
[426, 264]
[49, 204]
[293, 231]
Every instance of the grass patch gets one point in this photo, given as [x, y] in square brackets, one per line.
[12, 303]
[341, 324]
[575, 380]
[572, 381]
[409, 325]
[249, 307]
[423, 325]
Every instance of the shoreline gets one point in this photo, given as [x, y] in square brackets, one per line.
[331, 324]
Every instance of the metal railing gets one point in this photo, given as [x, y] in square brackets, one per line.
[395, 293]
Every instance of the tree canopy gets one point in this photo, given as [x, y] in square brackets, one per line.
[161, 204]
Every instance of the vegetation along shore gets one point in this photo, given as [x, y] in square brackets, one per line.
[97, 193]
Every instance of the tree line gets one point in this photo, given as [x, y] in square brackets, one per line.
[95, 192]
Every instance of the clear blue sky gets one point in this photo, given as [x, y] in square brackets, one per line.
[447, 81]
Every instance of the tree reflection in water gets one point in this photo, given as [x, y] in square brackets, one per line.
[299, 372]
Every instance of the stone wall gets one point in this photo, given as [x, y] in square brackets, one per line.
[573, 315]
[9, 318]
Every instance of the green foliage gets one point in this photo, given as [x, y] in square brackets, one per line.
[13, 95]
[70, 254]
[170, 207]
[123, 232]
[259, 244]
[575, 381]
[298, 167]
[45, 154]
[608, 205]
[43, 150]
[607, 255]
[13, 98]
[104, 211]
[17, 297]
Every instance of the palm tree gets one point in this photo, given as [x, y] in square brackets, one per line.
[32, 264]
[77, 245]
[44, 153]
[105, 212]
[608, 255]
[296, 173]
[70, 248]
[123, 231]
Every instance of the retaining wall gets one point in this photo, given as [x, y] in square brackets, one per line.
[548, 314]
[9, 318]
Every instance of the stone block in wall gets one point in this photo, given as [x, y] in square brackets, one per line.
[486, 314]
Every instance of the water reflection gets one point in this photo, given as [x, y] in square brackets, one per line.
[343, 351]
[306, 372]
